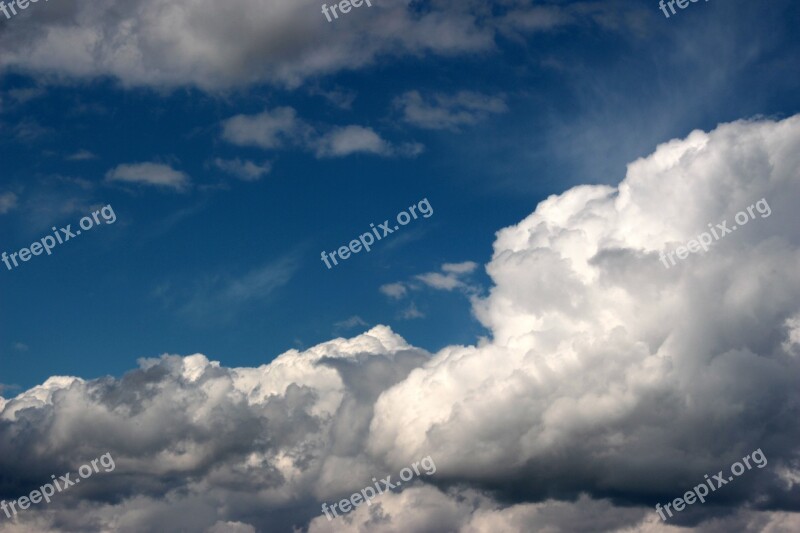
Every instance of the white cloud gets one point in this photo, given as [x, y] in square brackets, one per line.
[155, 174]
[350, 140]
[394, 290]
[452, 277]
[599, 354]
[8, 201]
[244, 170]
[268, 129]
[448, 111]
[608, 383]
[467, 267]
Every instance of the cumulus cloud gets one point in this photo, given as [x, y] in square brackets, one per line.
[154, 174]
[608, 384]
[197, 42]
[613, 368]
[448, 112]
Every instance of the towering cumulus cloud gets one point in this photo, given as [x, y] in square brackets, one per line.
[609, 384]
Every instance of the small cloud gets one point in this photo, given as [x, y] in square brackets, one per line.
[341, 98]
[411, 312]
[23, 95]
[244, 170]
[350, 140]
[154, 174]
[29, 130]
[81, 155]
[440, 281]
[221, 296]
[8, 201]
[466, 267]
[350, 323]
[394, 290]
[354, 139]
[20, 347]
[451, 279]
[448, 112]
[270, 129]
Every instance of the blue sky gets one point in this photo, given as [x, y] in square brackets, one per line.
[546, 109]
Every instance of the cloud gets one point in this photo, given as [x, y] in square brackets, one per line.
[281, 128]
[219, 297]
[81, 155]
[349, 140]
[244, 170]
[155, 174]
[350, 323]
[451, 279]
[8, 201]
[606, 355]
[394, 290]
[23, 95]
[448, 112]
[190, 42]
[268, 129]
[467, 267]
[608, 384]
[448, 279]
[411, 312]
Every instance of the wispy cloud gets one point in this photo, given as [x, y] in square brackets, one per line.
[448, 112]
[81, 155]
[8, 201]
[221, 296]
[350, 323]
[281, 128]
[244, 170]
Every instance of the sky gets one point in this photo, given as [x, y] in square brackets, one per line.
[521, 330]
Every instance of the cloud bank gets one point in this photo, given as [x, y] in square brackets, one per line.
[216, 45]
[609, 383]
